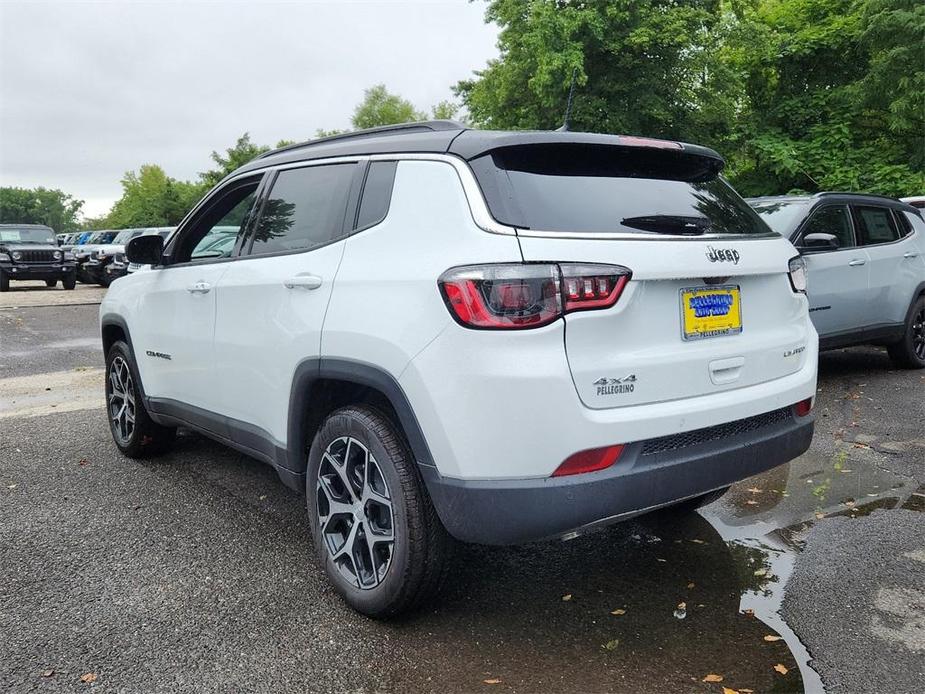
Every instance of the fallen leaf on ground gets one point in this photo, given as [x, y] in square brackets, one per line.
[618, 612]
[771, 638]
[754, 490]
[727, 690]
[747, 691]
[698, 541]
[748, 612]
[849, 503]
[820, 515]
[88, 678]
[48, 673]
[690, 585]
[761, 572]
[781, 669]
[492, 681]
[661, 560]
[566, 598]
[751, 502]
[712, 678]
[611, 645]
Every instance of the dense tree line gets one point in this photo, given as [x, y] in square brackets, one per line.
[798, 95]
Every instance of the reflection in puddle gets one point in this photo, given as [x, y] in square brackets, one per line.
[654, 604]
[764, 521]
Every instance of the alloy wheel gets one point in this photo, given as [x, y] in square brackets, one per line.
[355, 513]
[918, 334]
[121, 400]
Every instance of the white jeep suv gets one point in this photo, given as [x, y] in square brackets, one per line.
[498, 337]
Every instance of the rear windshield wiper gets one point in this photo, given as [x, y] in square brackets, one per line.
[669, 224]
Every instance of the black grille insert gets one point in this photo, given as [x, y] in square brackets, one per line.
[720, 431]
[37, 256]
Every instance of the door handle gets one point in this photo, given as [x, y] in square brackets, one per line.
[856, 262]
[303, 282]
[910, 255]
[199, 288]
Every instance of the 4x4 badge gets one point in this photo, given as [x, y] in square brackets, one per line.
[723, 255]
[615, 386]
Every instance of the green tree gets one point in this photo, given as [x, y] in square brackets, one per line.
[823, 106]
[234, 157]
[380, 107]
[53, 208]
[640, 66]
[151, 198]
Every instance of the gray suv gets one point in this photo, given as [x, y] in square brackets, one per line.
[865, 255]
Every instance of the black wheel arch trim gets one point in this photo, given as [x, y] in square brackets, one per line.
[361, 373]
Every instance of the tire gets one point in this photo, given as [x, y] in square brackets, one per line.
[69, 282]
[688, 506]
[51, 283]
[133, 431]
[4, 282]
[358, 452]
[909, 352]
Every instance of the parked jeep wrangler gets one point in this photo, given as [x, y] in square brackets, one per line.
[30, 252]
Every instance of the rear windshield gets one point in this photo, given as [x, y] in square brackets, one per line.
[782, 216]
[593, 189]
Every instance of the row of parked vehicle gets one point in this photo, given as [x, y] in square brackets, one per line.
[99, 256]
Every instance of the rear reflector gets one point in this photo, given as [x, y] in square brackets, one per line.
[589, 461]
[803, 408]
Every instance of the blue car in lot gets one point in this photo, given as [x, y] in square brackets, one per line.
[865, 257]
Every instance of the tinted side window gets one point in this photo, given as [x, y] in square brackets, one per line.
[903, 223]
[226, 214]
[305, 209]
[377, 193]
[833, 220]
[875, 225]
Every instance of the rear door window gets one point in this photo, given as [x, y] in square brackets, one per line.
[305, 209]
[377, 193]
[600, 189]
[834, 220]
[875, 225]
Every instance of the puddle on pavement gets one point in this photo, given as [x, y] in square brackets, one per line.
[694, 595]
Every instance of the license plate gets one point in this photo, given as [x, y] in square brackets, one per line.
[710, 312]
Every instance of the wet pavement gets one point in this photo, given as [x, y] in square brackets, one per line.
[193, 572]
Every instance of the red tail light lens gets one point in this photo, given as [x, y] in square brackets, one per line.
[803, 408]
[589, 461]
[525, 295]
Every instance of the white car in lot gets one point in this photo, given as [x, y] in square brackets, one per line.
[498, 337]
[865, 259]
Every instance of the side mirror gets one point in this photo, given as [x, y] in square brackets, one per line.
[819, 242]
[145, 250]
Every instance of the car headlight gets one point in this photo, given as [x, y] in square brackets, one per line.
[56, 255]
[798, 274]
[17, 255]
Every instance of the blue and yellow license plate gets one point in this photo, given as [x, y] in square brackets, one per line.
[710, 312]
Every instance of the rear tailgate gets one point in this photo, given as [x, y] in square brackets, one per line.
[710, 306]
[636, 352]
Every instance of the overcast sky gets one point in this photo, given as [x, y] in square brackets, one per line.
[89, 90]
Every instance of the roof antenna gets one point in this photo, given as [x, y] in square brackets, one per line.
[568, 105]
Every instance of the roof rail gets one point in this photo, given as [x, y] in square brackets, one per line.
[398, 129]
[864, 195]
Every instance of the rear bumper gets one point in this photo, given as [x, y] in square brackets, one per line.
[650, 474]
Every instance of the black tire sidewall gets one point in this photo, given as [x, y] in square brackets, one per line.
[343, 423]
[917, 306]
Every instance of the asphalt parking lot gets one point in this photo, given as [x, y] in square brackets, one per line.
[194, 572]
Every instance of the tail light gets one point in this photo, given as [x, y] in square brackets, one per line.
[803, 408]
[528, 295]
[589, 461]
[797, 269]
